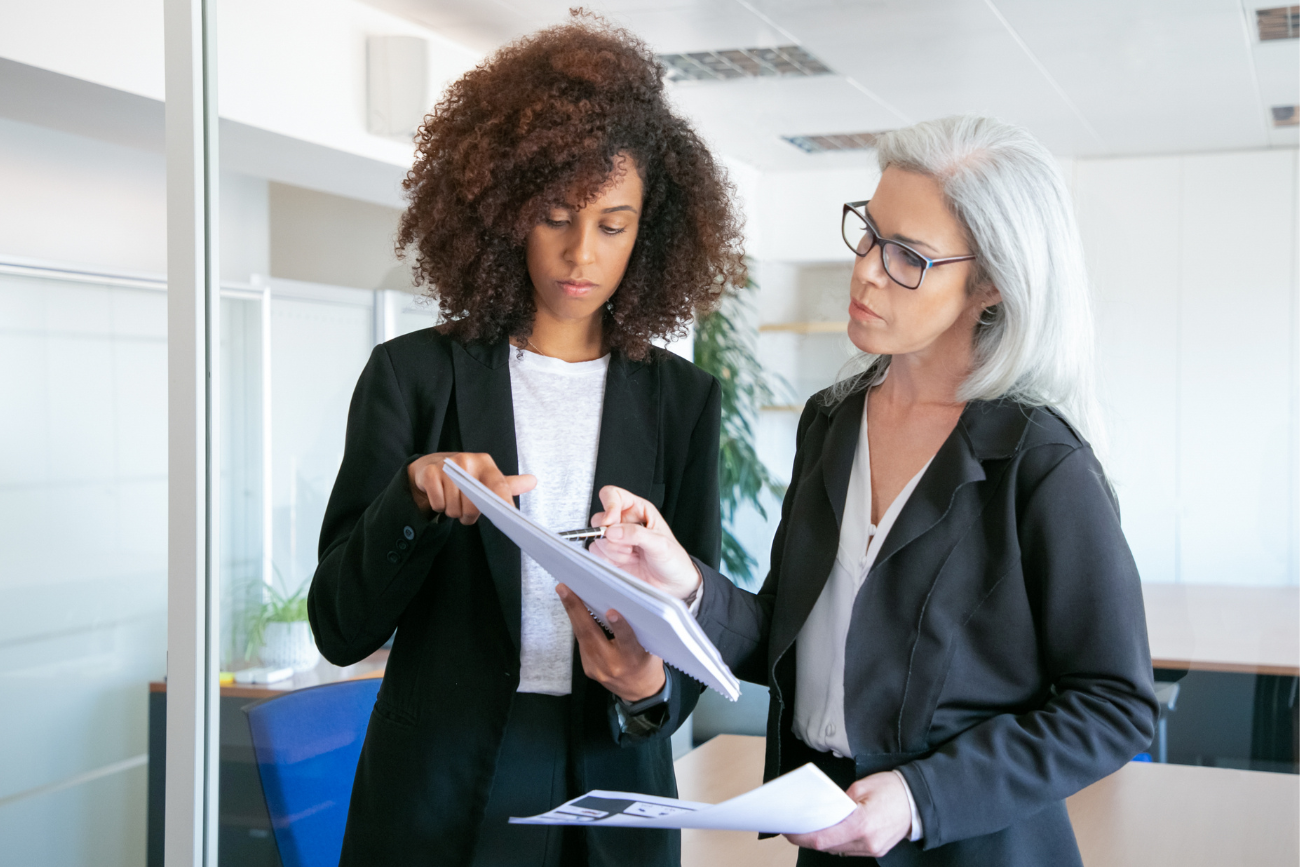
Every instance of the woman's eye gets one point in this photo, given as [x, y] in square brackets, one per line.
[613, 230]
[909, 258]
[554, 224]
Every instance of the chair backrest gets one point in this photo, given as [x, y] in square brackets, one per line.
[307, 744]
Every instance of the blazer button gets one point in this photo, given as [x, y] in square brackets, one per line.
[408, 532]
[402, 544]
[392, 557]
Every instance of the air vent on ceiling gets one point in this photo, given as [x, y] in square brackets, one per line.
[1286, 115]
[817, 144]
[784, 60]
[1279, 22]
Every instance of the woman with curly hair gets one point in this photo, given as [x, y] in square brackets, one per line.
[563, 217]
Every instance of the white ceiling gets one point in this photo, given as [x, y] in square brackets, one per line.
[1103, 77]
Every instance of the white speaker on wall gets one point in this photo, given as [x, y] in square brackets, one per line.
[397, 84]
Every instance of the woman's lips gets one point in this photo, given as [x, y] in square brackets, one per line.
[860, 311]
[575, 288]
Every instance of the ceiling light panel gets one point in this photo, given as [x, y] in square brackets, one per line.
[820, 144]
[782, 61]
[1279, 22]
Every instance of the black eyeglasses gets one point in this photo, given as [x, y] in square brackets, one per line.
[905, 266]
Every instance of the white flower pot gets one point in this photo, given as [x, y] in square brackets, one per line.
[289, 645]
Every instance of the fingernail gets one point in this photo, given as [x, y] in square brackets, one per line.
[613, 617]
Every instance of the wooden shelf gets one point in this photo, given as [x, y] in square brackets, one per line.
[806, 327]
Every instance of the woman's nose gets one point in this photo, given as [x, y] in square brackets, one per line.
[583, 249]
[869, 270]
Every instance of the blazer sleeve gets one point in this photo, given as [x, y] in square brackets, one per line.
[1101, 707]
[736, 620]
[376, 547]
[697, 524]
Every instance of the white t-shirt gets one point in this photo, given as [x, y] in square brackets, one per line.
[557, 431]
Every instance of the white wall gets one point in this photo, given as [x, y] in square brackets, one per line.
[79, 201]
[118, 44]
[298, 67]
[1193, 261]
[799, 212]
[294, 67]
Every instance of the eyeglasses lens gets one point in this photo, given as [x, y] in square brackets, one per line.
[857, 234]
[904, 266]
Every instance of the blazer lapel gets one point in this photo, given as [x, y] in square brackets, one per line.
[487, 424]
[812, 540]
[840, 450]
[626, 455]
[629, 431]
[985, 431]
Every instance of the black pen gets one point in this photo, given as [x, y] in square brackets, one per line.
[586, 534]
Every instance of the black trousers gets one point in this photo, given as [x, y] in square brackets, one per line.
[532, 777]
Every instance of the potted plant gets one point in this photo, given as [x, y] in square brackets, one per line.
[724, 347]
[279, 632]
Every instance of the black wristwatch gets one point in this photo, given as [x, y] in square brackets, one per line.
[639, 717]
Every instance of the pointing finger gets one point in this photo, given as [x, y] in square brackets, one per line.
[521, 484]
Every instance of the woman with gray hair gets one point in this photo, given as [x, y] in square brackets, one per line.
[952, 628]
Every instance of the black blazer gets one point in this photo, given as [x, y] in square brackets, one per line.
[453, 592]
[997, 652]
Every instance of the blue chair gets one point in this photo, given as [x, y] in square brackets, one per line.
[307, 744]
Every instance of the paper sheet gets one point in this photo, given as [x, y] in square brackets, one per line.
[662, 624]
[800, 802]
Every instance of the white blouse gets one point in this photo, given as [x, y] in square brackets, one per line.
[819, 662]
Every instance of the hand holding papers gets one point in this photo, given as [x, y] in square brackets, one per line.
[662, 624]
[800, 802]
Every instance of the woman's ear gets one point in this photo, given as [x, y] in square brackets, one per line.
[991, 295]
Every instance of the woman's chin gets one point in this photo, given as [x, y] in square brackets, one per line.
[865, 339]
[568, 307]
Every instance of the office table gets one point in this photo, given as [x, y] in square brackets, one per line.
[1251, 630]
[1144, 814]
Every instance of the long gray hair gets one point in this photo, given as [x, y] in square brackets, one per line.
[1036, 345]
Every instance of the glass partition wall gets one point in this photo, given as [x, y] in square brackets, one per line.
[83, 580]
[309, 205]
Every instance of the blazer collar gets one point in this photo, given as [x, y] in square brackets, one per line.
[986, 431]
[626, 455]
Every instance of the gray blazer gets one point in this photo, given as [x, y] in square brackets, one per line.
[997, 653]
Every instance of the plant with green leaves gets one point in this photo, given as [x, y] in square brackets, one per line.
[724, 346]
[276, 608]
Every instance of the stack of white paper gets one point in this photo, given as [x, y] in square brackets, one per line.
[800, 802]
[662, 624]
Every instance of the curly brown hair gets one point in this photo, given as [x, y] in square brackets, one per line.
[537, 126]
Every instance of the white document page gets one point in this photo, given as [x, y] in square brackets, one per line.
[662, 624]
[800, 802]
